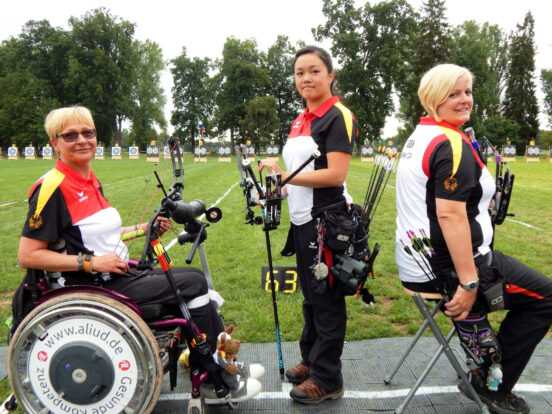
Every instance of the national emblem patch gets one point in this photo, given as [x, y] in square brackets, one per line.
[35, 221]
[450, 184]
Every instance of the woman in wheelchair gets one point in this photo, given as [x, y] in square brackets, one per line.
[72, 229]
[444, 238]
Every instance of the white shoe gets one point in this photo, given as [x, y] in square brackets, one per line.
[248, 388]
[250, 370]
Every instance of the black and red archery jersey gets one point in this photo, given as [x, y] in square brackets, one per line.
[330, 127]
[438, 161]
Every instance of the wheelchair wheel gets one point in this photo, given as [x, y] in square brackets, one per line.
[83, 352]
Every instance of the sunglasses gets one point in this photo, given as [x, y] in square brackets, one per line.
[74, 135]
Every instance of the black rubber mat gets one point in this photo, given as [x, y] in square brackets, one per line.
[365, 365]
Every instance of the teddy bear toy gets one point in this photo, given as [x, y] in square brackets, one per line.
[225, 356]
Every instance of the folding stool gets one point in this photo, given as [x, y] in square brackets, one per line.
[420, 299]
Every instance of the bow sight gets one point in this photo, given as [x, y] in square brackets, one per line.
[268, 197]
[178, 210]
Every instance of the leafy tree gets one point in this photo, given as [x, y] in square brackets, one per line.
[432, 45]
[520, 102]
[371, 44]
[48, 56]
[260, 121]
[193, 101]
[241, 78]
[33, 68]
[546, 79]
[278, 62]
[482, 49]
[102, 69]
[23, 106]
[147, 93]
[545, 139]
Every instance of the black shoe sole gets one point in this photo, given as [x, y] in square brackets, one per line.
[488, 402]
[313, 401]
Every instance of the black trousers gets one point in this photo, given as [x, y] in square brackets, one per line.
[325, 316]
[528, 298]
[155, 289]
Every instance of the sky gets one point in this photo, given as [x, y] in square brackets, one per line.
[203, 26]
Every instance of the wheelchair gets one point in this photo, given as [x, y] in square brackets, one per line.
[88, 349]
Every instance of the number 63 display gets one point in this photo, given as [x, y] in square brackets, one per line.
[285, 279]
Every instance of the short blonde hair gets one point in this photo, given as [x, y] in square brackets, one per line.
[437, 83]
[58, 118]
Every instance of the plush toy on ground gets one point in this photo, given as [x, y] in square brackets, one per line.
[225, 356]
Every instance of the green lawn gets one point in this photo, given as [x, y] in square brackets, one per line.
[236, 251]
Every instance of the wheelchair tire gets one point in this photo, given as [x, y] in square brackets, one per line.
[83, 352]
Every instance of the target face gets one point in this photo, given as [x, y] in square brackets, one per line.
[99, 150]
[46, 151]
[29, 151]
[115, 151]
[133, 150]
[12, 151]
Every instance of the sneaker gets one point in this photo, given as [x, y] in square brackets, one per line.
[498, 402]
[309, 393]
[248, 388]
[298, 373]
[250, 370]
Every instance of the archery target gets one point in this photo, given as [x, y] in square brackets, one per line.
[133, 151]
[203, 151]
[29, 151]
[99, 151]
[46, 151]
[116, 151]
[533, 151]
[12, 151]
[196, 151]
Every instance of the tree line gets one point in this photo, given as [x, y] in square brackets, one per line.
[381, 51]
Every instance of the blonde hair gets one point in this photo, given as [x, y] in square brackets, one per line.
[58, 118]
[437, 83]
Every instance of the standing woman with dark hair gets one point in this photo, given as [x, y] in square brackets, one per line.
[331, 128]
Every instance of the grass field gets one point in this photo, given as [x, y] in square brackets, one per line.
[236, 252]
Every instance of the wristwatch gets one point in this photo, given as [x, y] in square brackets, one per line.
[470, 285]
